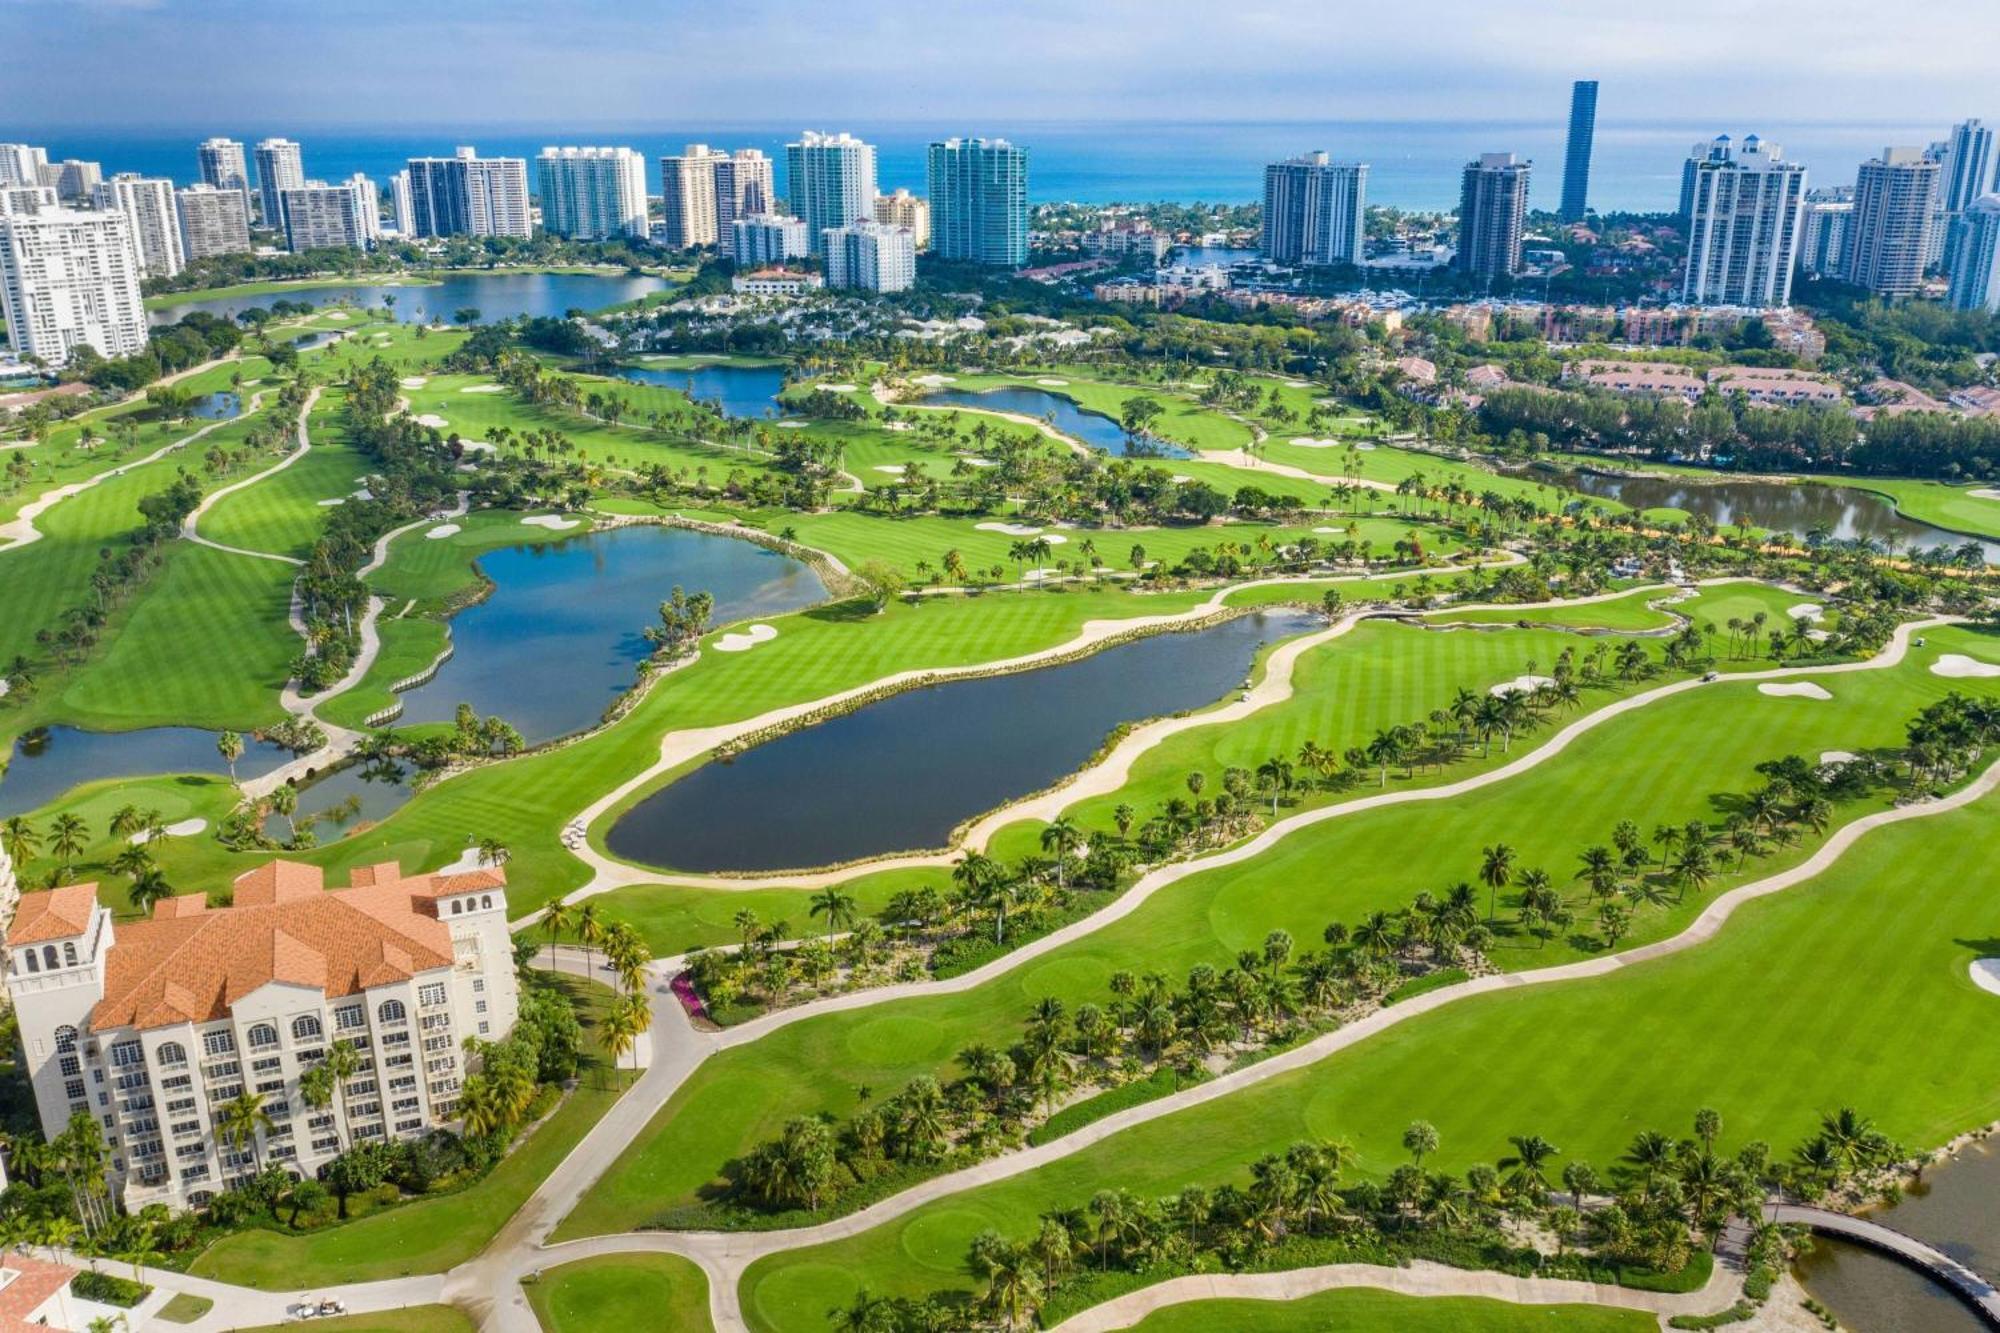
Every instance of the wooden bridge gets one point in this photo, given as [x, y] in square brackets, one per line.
[1975, 1290]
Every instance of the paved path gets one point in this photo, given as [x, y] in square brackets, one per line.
[1971, 1287]
[190, 526]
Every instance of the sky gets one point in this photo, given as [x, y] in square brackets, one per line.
[361, 63]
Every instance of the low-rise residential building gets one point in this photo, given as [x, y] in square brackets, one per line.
[1775, 387]
[1127, 236]
[35, 1294]
[152, 1026]
[1130, 291]
[775, 282]
[1660, 379]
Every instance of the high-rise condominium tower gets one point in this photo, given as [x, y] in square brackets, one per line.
[469, 195]
[978, 192]
[688, 205]
[1313, 210]
[319, 216]
[1975, 260]
[744, 186]
[21, 164]
[1743, 228]
[1492, 212]
[70, 279]
[1823, 231]
[1888, 239]
[871, 256]
[220, 162]
[830, 182]
[1576, 157]
[280, 167]
[213, 221]
[148, 204]
[592, 194]
[1968, 166]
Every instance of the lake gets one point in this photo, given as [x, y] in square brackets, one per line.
[49, 761]
[217, 406]
[740, 391]
[901, 773]
[495, 296]
[558, 639]
[1093, 428]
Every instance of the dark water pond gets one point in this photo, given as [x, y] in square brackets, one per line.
[495, 296]
[740, 391]
[50, 760]
[1093, 428]
[902, 773]
[558, 639]
[217, 406]
[355, 795]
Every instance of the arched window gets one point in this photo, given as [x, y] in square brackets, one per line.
[28, 956]
[263, 1034]
[69, 953]
[486, 900]
[392, 1011]
[305, 1028]
[65, 1039]
[457, 906]
[49, 957]
[172, 1053]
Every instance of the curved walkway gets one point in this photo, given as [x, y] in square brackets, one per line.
[1975, 1290]
[189, 525]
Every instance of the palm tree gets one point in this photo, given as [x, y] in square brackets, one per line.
[557, 918]
[836, 905]
[1420, 1140]
[20, 839]
[590, 934]
[1527, 1168]
[230, 746]
[241, 1120]
[493, 852]
[1060, 839]
[69, 835]
[284, 799]
[1496, 870]
[630, 1019]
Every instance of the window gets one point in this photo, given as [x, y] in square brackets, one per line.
[263, 1035]
[126, 1054]
[391, 1011]
[348, 1016]
[74, 1090]
[69, 954]
[183, 1128]
[65, 1038]
[486, 900]
[479, 985]
[28, 956]
[431, 994]
[172, 1053]
[306, 1028]
[49, 957]
[457, 906]
[71, 1066]
[270, 1064]
[178, 1083]
[220, 1042]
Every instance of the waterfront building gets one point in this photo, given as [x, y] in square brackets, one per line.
[221, 163]
[75, 180]
[592, 194]
[1314, 211]
[400, 205]
[148, 204]
[905, 210]
[1576, 156]
[1975, 260]
[22, 164]
[767, 238]
[744, 185]
[1823, 231]
[319, 216]
[367, 208]
[830, 182]
[1492, 212]
[688, 197]
[1719, 149]
[70, 279]
[1117, 237]
[214, 221]
[978, 192]
[151, 1025]
[1743, 228]
[280, 167]
[26, 198]
[870, 256]
[1889, 237]
[469, 195]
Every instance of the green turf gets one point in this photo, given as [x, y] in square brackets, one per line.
[410, 1319]
[623, 1291]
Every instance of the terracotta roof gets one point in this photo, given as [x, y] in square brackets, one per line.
[53, 914]
[191, 963]
[32, 1282]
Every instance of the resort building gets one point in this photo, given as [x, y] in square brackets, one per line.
[319, 216]
[592, 194]
[830, 182]
[151, 1026]
[220, 162]
[1975, 260]
[744, 184]
[870, 256]
[1117, 237]
[469, 195]
[1888, 238]
[1313, 210]
[214, 221]
[280, 167]
[905, 210]
[767, 238]
[978, 201]
[70, 279]
[148, 204]
[775, 282]
[688, 203]
[1492, 212]
[1576, 156]
[1743, 228]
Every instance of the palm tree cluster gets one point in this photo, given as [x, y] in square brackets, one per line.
[629, 957]
[1947, 738]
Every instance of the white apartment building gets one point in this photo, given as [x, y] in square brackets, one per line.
[688, 196]
[67, 279]
[1743, 228]
[151, 1026]
[1975, 261]
[214, 221]
[908, 211]
[221, 163]
[767, 238]
[75, 180]
[592, 194]
[744, 185]
[367, 207]
[1314, 211]
[469, 195]
[830, 181]
[870, 256]
[280, 167]
[1889, 238]
[26, 199]
[319, 216]
[148, 203]
[22, 164]
[775, 282]
[400, 205]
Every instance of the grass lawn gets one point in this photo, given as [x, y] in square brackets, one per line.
[185, 1308]
[430, 1235]
[410, 1319]
[623, 1291]
[1715, 606]
[1677, 759]
[282, 513]
[1363, 1310]
[1936, 503]
[1800, 1006]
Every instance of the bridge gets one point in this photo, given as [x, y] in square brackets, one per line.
[1975, 1290]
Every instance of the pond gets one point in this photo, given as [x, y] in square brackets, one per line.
[1846, 513]
[558, 639]
[217, 406]
[495, 296]
[342, 800]
[1093, 428]
[48, 761]
[901, 773]
[1953, 1210]
[740, 391]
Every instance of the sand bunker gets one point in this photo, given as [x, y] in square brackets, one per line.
[893, 469]
[933, 381]
[980, 462]
[836, 388]
[1297, 384]
[1804, 689]
[1984, 493]
[1958, 665]
[363, 494]
[1054, 384]
[553, 522]
[1810, 610]
[1009, 529]
[442, 530]
[895, 425]
[336, 500]
[1986, 974]
[792, 425]
[186, 828]
[1520, 684]
[413, 381]
[336, 314]
[433, 420]
[484, 388]
[1837, 756]
[742, 641]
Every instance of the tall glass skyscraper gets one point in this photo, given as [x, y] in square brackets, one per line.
[979, 201]
[829, 182]
[1576, 161]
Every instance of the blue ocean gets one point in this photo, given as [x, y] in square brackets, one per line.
[1414, 164]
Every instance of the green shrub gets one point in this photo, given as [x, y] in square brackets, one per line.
[119, 1291]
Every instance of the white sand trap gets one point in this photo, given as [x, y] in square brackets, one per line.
[1040, 575]
[442, 530]
[1298, 384]
[1986, 974]
[250, 384]
[1984, 493]
[1330, 532]
[980, 462]
[1819, 635]
[792, 425]
[433, 420]
[1056, 539]
[1054, 384]
[1958, 665]
[414, 381]
[186, 828]
[1180, 479]
[893, 469]
[1810, 610]
[336, 314]
[1804, 689]
[5, 685]
[363, 494]
[933, 381]
[1310, 442]
[836, 388]
[478, 447]
[895, 425]
[1009, 529]
[1520, 684]
[553, 522]
[336, 500]
[1837, 756]
[484, 388]
[742, 641]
